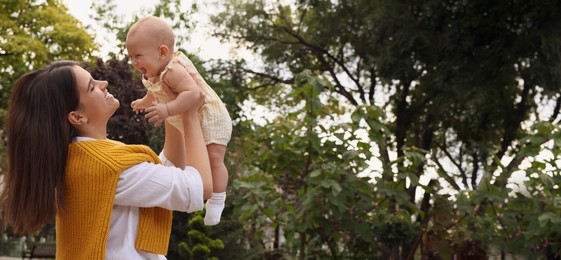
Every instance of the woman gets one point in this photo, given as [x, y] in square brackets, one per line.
[110, 200]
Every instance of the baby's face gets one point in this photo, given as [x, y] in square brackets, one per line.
[145, 55]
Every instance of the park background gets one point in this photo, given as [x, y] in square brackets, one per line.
[363, 129]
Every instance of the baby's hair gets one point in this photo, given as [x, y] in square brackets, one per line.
[157, 27]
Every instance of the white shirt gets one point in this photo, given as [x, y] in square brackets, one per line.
[148, 185]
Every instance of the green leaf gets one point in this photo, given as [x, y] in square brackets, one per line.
[549, 218]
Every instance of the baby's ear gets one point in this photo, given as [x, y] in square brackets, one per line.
[164, 51]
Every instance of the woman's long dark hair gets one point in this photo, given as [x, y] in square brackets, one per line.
[38, 137]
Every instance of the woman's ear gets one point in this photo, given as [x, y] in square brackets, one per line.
[76, 118]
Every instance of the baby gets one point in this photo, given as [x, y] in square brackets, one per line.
[150, 45]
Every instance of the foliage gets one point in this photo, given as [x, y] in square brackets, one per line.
[298, 186]
[36, 33]
[198, 245]
[117, 26]
[463, 85]
[402, 128]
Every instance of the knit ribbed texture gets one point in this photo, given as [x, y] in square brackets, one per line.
[92, 173]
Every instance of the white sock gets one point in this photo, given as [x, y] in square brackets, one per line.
[214, 207]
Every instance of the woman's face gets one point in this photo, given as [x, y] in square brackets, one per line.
[96, 103]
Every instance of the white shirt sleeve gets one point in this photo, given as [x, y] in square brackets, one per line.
[155, 185]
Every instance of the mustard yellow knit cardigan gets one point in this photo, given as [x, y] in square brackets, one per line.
[92, 173]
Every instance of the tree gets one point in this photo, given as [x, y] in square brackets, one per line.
[300, 183]
[198, 245]
[114, 25]
[461, 82]
[36, 33]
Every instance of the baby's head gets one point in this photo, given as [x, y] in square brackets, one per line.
[149, 45]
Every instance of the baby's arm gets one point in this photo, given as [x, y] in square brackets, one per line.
[178, 81]
[181, 82]
[142, 103]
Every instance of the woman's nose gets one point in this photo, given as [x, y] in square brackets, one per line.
[104, 84]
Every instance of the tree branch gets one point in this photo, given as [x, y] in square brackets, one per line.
[475, 170]
[512, 125]
[323, 51]
[449, 156]
[556, 110]
[320, 50]
[372, 86]
[271, 77]
[446, 177]
[338, 86]
[359, 86]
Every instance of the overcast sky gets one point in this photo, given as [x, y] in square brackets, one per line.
[204, 46]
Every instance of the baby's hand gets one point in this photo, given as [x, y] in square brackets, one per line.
[138, 106]
[157, 113]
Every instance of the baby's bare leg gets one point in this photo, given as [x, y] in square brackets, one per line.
[216, 153]
[174, 148]
[215, 204]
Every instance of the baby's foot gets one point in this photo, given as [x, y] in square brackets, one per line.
[214, 207]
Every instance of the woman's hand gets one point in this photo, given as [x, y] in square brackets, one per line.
[200, 102]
